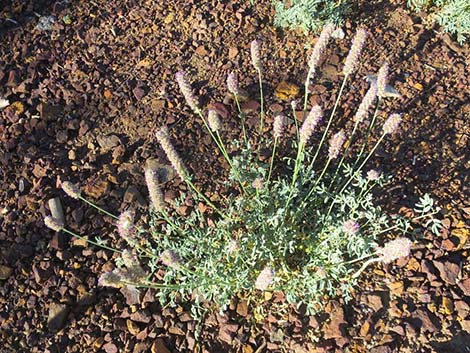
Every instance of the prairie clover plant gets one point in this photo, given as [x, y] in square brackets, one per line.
[308, 232]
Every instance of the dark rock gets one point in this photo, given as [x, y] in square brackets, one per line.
[57, 316]
[449, 271]
[426, 321]
[5, 272]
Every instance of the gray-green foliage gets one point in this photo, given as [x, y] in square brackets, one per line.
[309, 15]
[309, 227]
[452, 15]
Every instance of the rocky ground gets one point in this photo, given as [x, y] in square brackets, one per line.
[88, 86]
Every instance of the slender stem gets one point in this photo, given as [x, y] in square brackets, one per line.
[90, 241]
[168, 220]
[295, 121]
[363, 163]
[227, 157]
[369, 131]
[329, 122]
[359, 259]
[364, 266]
[413, 220]
[201, 195]
[317, 181]
[272, 160]
[97, 207]
[242, 118]
[297, 165]
[350, 141]
[261, 127]
[307, 83]
[218, 141]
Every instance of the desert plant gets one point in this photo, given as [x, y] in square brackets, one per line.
[297, 227]
[309, 15]
[452, 15]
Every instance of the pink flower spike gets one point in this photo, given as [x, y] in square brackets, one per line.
[395, 249]
[336, 143]
[355, 52]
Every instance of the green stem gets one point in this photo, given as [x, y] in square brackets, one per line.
[201, 195]
[412, 220]
[350, 141]
[227, 157]
[363, 163]
[97, 207]
[354, 172]
[90, 241]
[317, 181]
[261, 100]
[329, 122]
[295, 121]
[297, 165]
[242, 118]
[369, 131]
[272, 160]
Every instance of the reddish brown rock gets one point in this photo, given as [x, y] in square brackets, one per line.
[449, 271]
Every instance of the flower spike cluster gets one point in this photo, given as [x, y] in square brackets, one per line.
[155, 193]
[395, 249]
[278, 126]
[213, 120]
[265, 278]
[163, 138]
[366, 103]
[125, 225]
[53, 223]
[71, 190]
[391, 124]
[187, 91]
[320, 46]
[336, 143]
[232, 84]
[256, 55]
[355, 52]
[310, 123]
[382, 78]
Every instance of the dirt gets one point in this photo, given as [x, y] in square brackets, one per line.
[86, 96]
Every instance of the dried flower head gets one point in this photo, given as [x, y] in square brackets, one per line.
[351, 227]
[233, 246]
[171, 259]
[278, 126]
[53, 223]
[125, 224]
[382, 77]
[355, 52]
[310, 123]
[395, 249]
[129, 258]
[134, 271]
[213, 120]
[373, 175]
[366, 103]
[391, 124]
[187, 91]
[257, 183]
[265, 278]
[111, 279]
[163, 138]
[336, 143]
[71, 189]
[155, 193]
[256, 54]
[232, 84]
[320, 46]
